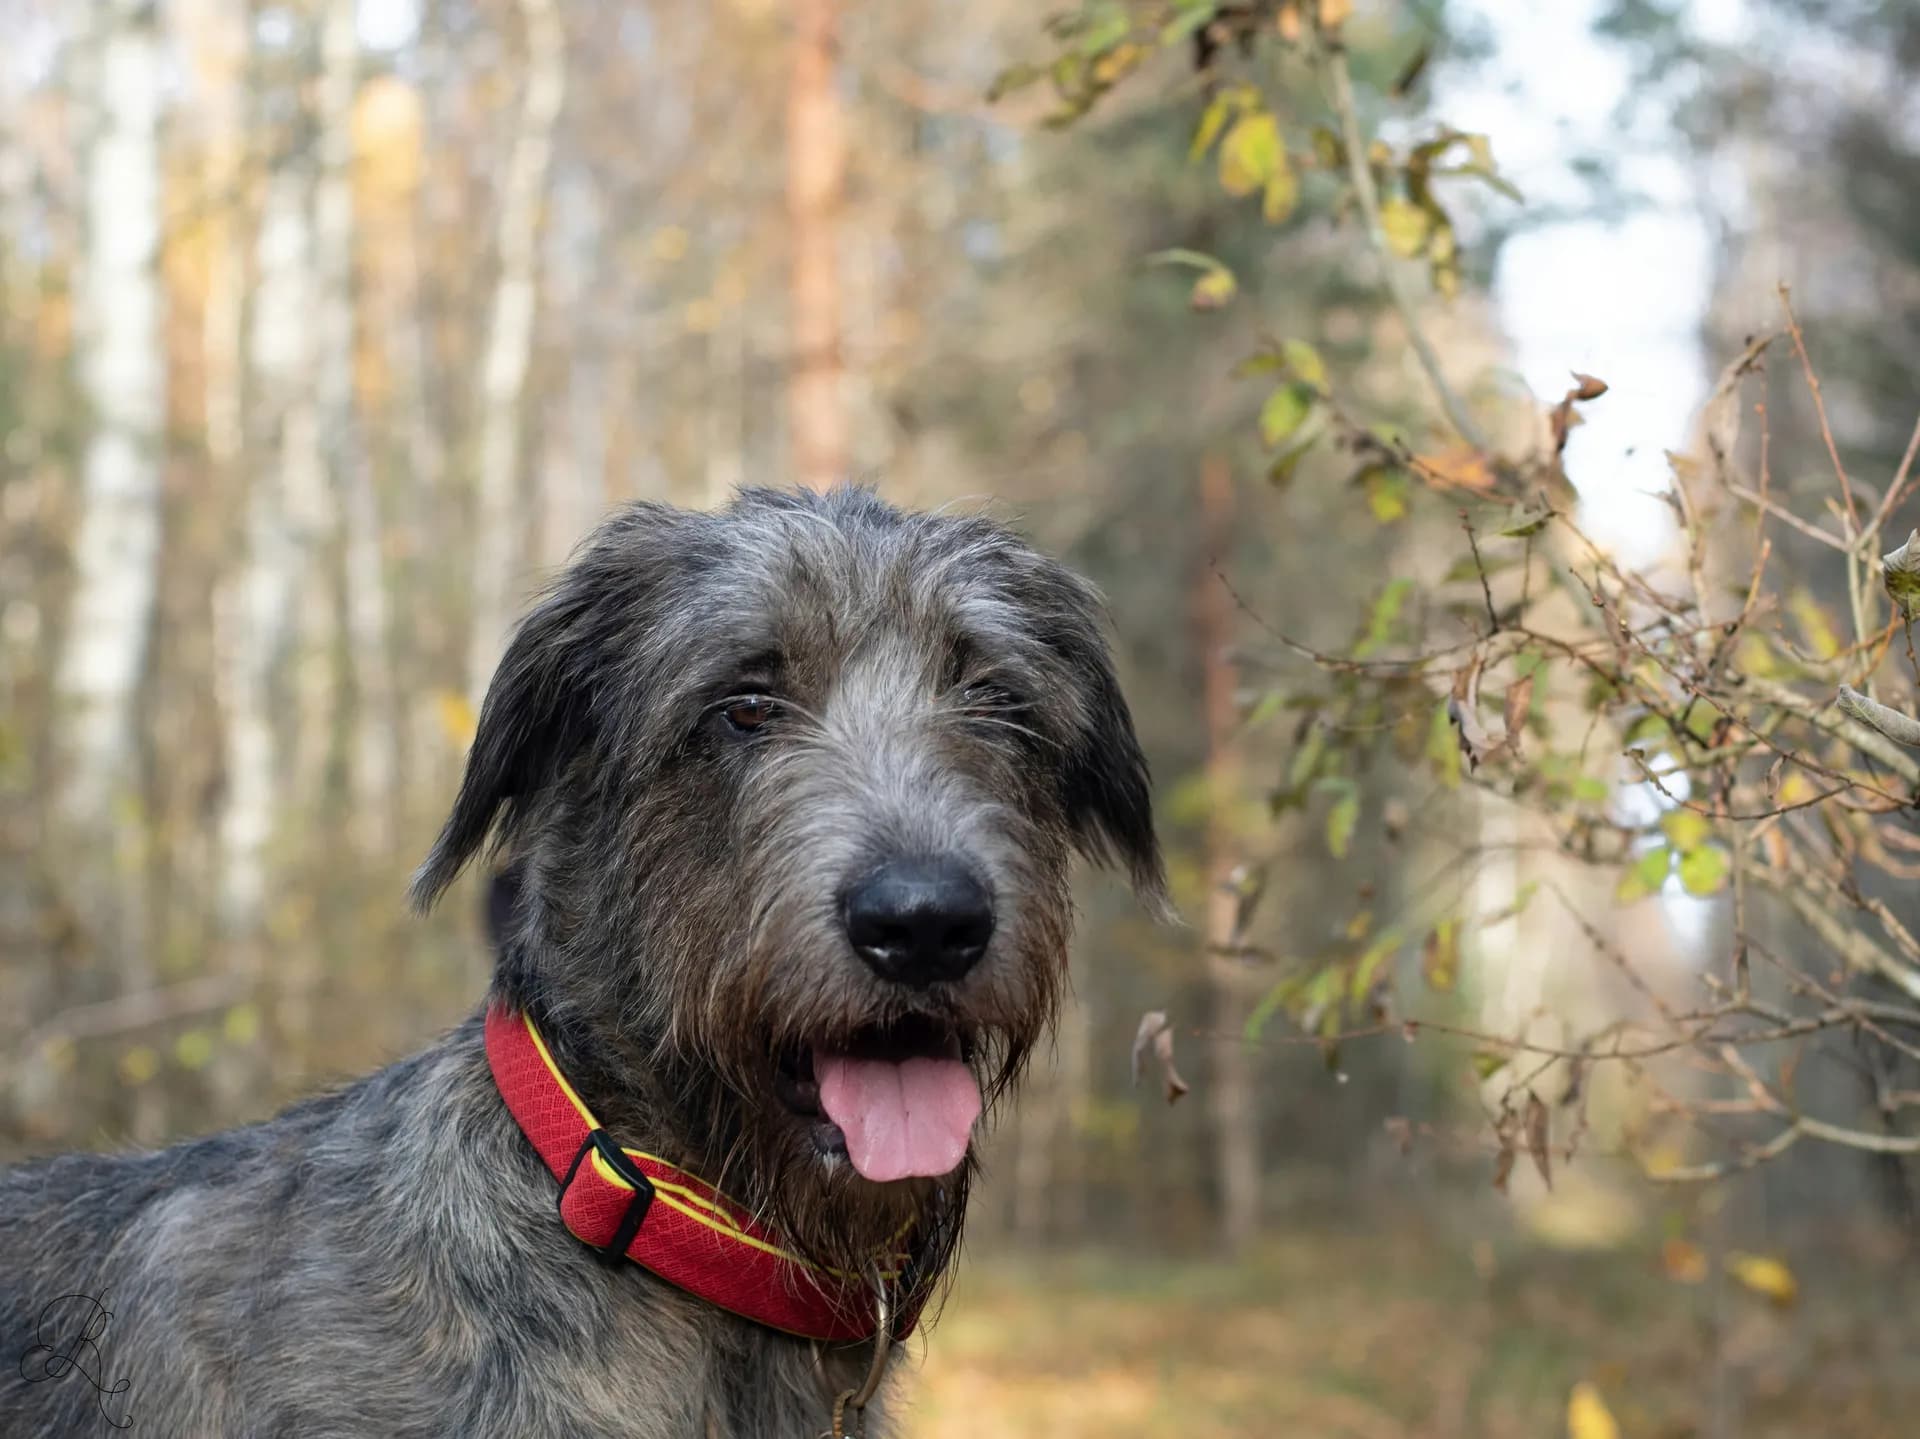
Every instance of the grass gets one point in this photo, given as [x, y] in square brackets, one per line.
[1398, 1334]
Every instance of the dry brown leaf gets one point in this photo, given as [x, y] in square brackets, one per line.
[1463, 708]
[1682, 1262]
[1503, 1166]
[1460, 467]
[1519, 704]
[1155, 1034]
[1538, 1131]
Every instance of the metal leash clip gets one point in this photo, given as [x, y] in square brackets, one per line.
[853, 1402]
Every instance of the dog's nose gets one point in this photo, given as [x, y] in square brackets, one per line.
[920, 921]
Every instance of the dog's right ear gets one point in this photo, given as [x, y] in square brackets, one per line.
[536, 717]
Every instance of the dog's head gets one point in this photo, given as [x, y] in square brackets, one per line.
[791, 792]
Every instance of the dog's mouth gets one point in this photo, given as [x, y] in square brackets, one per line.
[898, 1100]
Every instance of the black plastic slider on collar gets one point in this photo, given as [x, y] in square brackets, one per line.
[618, 1161]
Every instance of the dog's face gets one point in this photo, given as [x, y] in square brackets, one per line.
[792, 791]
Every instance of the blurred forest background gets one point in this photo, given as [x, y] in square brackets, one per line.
[1552, 1045]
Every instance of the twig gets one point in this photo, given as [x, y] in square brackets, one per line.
[1820, 408]
[1340, 83]
[136, 1011]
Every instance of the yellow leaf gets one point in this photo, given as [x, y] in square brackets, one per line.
[242, 1024]
[1405, 225]
[1686, 830]
[1588, 1416]
[139, 1064]
[1251, 155]
[193, 1049]
[457, 718]
[1281, 194]
[1764, 1276]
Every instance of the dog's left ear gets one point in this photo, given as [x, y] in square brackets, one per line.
[534, 719]
[539, 715]
[1105, 784]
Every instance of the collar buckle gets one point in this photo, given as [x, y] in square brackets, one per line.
[616, 1159]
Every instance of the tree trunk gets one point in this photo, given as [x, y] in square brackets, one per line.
[123, 377]
[509, 347]
[1232, 1101]
[257, 598]
[96, 800]
[373, 761]
[816, 169]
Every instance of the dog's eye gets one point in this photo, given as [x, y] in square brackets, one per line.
[748, 713]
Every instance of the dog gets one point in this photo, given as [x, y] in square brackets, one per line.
[782, 802]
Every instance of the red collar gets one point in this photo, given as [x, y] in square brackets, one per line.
[621, 1201]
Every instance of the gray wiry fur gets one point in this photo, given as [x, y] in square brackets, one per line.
[387, 1260]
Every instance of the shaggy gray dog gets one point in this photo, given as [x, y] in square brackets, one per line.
[785, 799]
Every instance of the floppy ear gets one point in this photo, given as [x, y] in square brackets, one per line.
[1104, 785]
[1107, 788]
[535, 718]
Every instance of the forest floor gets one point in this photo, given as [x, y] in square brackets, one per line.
[1395, 1335]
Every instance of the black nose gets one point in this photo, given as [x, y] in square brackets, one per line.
[920, 921]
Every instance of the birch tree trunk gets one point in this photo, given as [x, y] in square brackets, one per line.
[258, 597]
[1232, 1100]
[509, 345]
[816, 172]
[96, 802]
[123, 377]
[372, 756]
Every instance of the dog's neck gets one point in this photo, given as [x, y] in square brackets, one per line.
[757, 1382]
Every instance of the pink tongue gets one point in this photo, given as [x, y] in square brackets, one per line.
[900, 1119]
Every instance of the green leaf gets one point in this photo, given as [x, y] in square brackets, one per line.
[1443, 750]
[1343, 818]
[1285, 411]
[1212, 121]
[1388, 490]
[1251, 155]
[1646, 876]
[1488, 1062]
[1265, 708]
[1306, 364]
[1368, 967]
[1591, 790]
[1704, 871]
[1702, 720]
[1385, 613]
[1686, 830]
[1014, 77]
[1271, 1003]
[1280, 472]
[1306, 759]
[1188, 18]
[1648, 729]
[1109, 27]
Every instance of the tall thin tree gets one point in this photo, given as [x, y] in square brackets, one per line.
[509, 346]
[816, 176]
